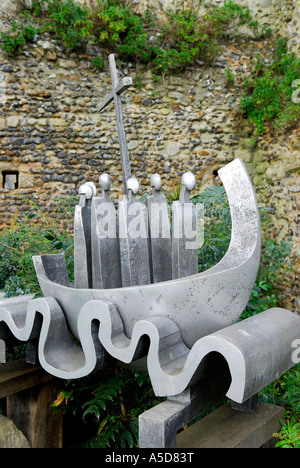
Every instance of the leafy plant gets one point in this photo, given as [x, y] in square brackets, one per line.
[187, 36]
[268, 99]
[109, 403]
[229, 75]
[289, 434]
[12, 43]
[263, 297]
[29, 33]
[98, 62]
[21, 34]
[119, 27]
[182, 38]
[31, 234]
[69, 21]
[217, 227]
[285, 392]
[37, 7]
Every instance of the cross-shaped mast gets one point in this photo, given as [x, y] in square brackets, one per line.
[115, 96]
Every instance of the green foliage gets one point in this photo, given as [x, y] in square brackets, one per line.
[31, 234]
[289, 434]
[268, 99]
[229, 75]
[12, 43]
[109, 402]
[187, 36]
[273, 264]
[285, 392]
[263, 297]
[217, 227]
[29, 33]
[37, 7]
[118, 27]
[20, 35]
[182, 38]
[98, 62]
[70, 21]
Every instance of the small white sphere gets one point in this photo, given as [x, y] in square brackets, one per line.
[104, 181]
[87, 190]
[93, 187]
[155, 182]
[188, 180]
[133, 185]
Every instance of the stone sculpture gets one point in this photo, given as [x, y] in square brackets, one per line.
[154, 309]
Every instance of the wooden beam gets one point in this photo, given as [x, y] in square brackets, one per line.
[29, 393]
[32, 412]
[228, 428]
[18, 375]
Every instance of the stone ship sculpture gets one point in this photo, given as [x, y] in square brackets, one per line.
[137, 296]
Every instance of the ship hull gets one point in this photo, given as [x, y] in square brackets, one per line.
[200, 304]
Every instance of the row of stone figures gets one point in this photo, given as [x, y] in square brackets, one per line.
[138, 243]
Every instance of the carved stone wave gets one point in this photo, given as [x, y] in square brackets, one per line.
[252, 348]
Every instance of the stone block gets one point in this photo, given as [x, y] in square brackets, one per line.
[11, 178]
[9, 186]
[56, 122]
[172, 148]
[244, 154]
[10, 435]
[13, 121]
[26, 181]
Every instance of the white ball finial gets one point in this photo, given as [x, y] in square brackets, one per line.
[133, 185]
[155, 182]
[86, 189]
[93, 187]
[188, 180]
[105, 181]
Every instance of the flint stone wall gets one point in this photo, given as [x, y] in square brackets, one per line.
[53, 136]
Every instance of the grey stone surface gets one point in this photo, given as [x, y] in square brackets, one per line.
[185, 320]
[134, 251]
[105, 255]
[184, 231]
[159, 233]
[82, 238]
[199, 304]
[10, 436]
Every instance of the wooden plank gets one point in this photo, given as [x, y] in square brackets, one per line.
[32, 412]
[17, 376]
[228, 428]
